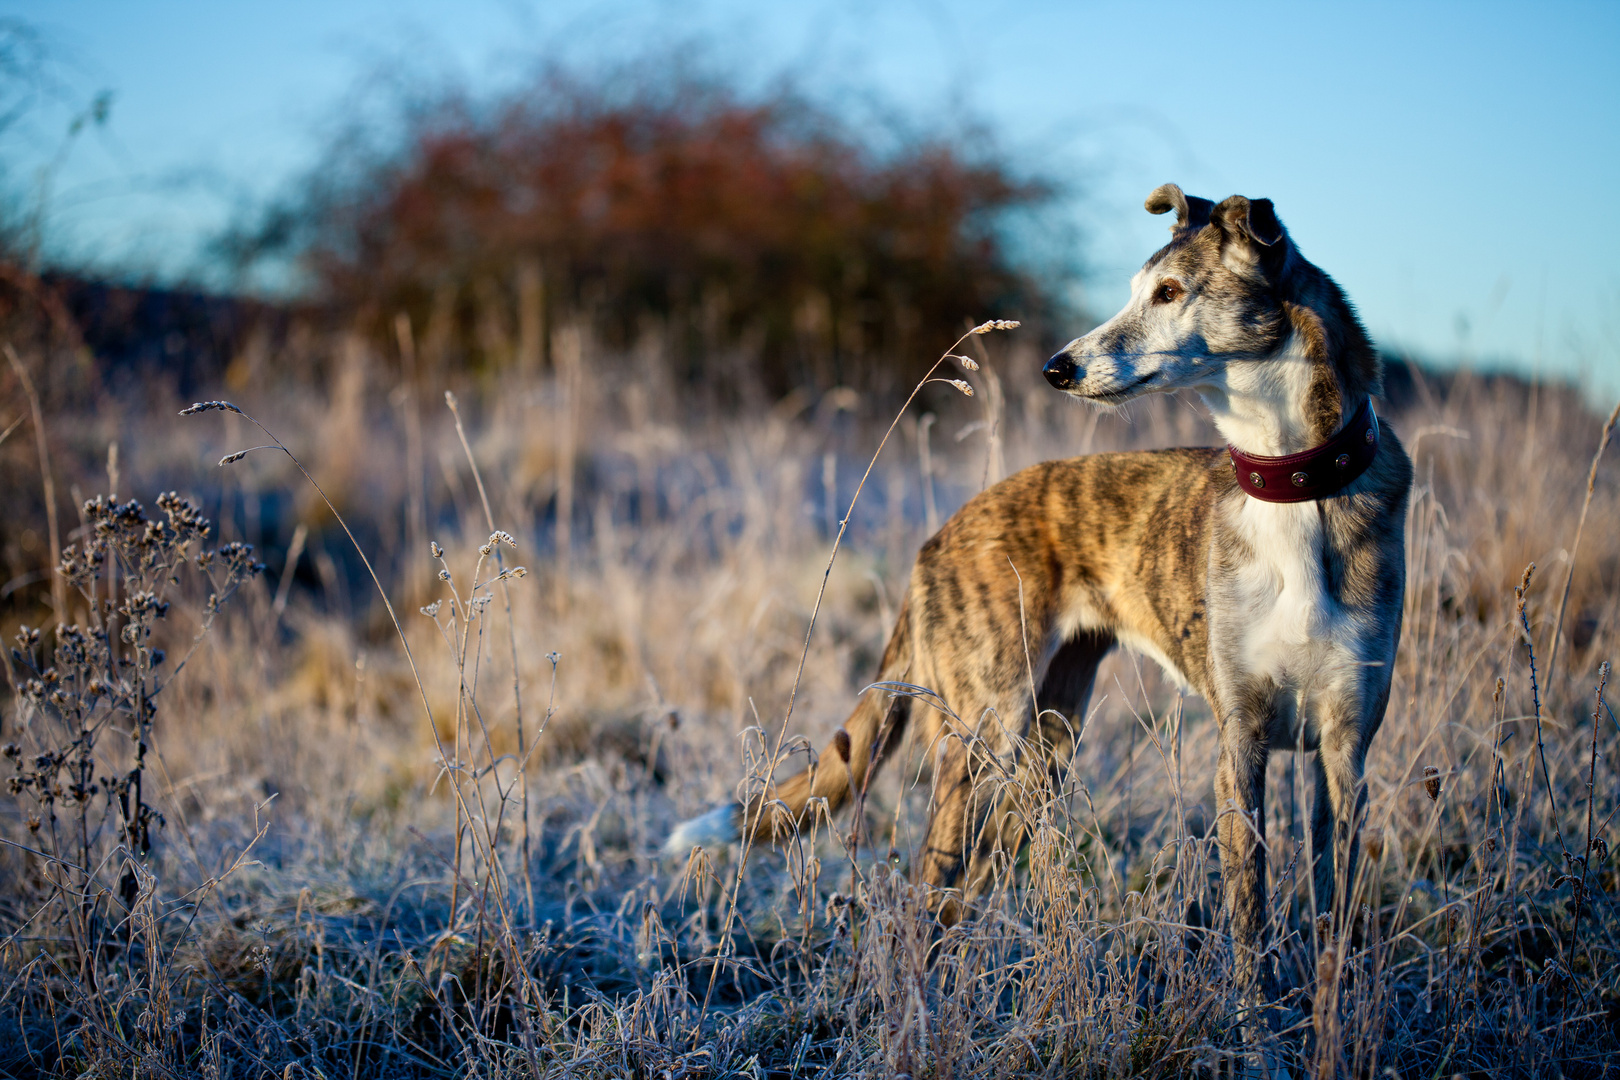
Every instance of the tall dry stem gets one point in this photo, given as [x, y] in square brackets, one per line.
[47, 481]
[1575, 545]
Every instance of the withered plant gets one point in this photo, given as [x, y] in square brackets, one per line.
[89, 700]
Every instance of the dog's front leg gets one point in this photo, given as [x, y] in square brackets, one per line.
[1339, 805]
[1240, 793]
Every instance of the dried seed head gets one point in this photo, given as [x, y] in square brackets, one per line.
[435, 550]
[1324, 926]
[229, 458]
[966, 361]
[841, 745]
[1327, 965]
[209, 406]
[1372, 841]
[1431, 782]
[1600, 848]
[961, 384]
[995, 324]
[486, 549]
[500, 536]
[444, 574]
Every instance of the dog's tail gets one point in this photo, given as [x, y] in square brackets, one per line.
[857, 750]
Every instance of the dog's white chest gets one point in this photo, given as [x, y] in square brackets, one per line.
[1292, 630]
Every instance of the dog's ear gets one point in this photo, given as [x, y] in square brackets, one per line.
[1191, 211]
[1252, 235]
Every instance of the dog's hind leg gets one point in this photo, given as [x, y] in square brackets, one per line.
[1043, 758]
[989, 823]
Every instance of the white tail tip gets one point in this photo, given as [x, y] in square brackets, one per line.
[715, 829]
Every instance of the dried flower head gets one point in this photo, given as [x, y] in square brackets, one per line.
[209, 406]
[1324, 926]
[1431, 782]
[435, 550]
[961, 384]
[841, 745]
[1327, 965]
[229, 458]
[1372, 841]
[966, 361]
[995, 324]
[1600, 848]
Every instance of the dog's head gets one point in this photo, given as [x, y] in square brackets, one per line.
[1212, 296]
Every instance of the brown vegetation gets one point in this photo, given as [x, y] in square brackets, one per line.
[756, 242]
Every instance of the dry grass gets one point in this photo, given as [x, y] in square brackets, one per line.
[339, 886]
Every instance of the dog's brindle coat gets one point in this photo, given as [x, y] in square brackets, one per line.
[1284, 616]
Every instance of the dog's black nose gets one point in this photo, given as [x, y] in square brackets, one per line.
[1060, 371]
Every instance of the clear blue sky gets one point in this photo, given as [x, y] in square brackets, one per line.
[1453, 165]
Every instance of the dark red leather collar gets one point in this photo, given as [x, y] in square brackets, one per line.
[1311, 474]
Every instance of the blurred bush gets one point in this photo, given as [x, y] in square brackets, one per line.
[761, 239]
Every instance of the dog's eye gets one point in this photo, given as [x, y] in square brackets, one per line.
[1168, 292]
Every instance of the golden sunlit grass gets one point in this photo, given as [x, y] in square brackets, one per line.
[337, 885]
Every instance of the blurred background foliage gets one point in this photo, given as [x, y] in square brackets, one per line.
[759, 239]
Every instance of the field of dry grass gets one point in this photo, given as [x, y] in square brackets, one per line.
[330, 883]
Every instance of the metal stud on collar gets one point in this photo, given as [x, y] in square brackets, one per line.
[1300, 479]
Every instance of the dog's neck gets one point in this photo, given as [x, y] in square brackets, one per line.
[1283, 404]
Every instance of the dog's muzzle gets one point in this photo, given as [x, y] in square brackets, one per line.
[1060, 371]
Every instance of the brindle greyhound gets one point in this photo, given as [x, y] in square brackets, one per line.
[1268, 575]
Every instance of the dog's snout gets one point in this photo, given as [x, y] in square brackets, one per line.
[1060, 371]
